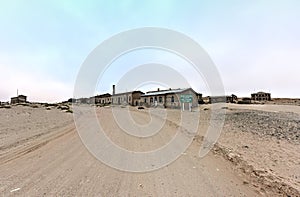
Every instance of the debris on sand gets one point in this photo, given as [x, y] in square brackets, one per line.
[14, 190]
[69, 111]
[63, 107]
[6, 106]
[34, 106]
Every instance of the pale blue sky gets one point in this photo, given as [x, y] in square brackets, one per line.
[255, 44]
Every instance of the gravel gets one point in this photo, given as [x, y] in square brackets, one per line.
[281, 125]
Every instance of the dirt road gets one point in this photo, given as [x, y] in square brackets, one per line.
[59, 164]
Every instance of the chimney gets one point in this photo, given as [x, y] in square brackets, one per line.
[157, 89]
[114, 90]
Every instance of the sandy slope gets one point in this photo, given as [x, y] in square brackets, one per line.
[267, 143]
[57, 163]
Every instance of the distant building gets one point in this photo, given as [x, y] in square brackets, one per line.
[232, 99]
[83, 100]
[101, 99]
[261, 96]
[4, 103]
[223, 99]
[126, 98]
[170, 98]
[216, 99]
[244, 100]
[18, 99]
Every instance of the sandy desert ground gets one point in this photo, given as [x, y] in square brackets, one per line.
[257, 154]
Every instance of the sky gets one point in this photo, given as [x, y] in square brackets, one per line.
[255, 45]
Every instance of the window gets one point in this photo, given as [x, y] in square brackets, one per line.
[151, 100]
[145, 100]
[160, 99]
[172, 99]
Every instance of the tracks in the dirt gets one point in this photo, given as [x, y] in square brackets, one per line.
[31, 147]
[59, 164]
[36, 142]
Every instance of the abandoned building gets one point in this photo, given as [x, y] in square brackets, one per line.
[171, 98]
[126, 98]
[82, 101]
[244, 100]
[231, 99]
[261, 96]
[101, 99]
[216, 99]
[222, 99]
[18, 99]
[4, 103]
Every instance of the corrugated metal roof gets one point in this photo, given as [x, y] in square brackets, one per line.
[131, 92]
[161, 92]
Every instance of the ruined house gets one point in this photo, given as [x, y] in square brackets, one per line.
[170, 98]
[223, 99]
[126, 98]
[261, 96]
[18, 99]
[103, 99]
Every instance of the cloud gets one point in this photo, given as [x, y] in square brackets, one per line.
[255, 45]
[36, 86]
